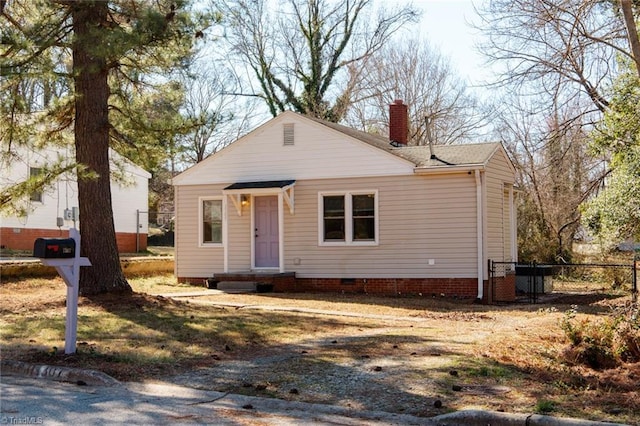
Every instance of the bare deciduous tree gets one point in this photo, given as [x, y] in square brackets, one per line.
[208, 111]
[555, 172]
[306, 54]
[422, 77]
[563, 57]
[555, 47]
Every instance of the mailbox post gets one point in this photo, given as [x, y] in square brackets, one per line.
[64, 255]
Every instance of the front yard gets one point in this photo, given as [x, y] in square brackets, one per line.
[420, 356]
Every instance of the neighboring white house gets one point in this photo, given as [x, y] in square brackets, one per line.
[46, 210]
[335, 209]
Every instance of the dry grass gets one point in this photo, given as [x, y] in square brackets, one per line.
[501, 357]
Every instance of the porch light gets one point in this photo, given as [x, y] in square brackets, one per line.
[244, 200]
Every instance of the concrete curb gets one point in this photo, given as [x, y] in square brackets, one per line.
[61, 374]
[483, 418]
[274, 406]
[462, 417]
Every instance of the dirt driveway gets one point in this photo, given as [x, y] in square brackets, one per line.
[420, 356]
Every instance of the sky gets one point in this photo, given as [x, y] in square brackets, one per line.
[445, 24]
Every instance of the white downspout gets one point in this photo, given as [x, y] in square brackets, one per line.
[225, 234]
[479, 239]
[513, 226]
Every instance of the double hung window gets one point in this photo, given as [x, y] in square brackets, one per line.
[211, 221]
[348, 218]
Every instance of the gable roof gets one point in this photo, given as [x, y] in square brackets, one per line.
[420, 159]
[422, 156]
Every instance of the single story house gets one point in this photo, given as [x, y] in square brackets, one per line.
[50, 212]
[322, 207]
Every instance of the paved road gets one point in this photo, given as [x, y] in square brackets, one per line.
[39, 401]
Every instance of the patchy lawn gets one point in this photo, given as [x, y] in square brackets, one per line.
[401, 354]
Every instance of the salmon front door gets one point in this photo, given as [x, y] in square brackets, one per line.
[266, 232]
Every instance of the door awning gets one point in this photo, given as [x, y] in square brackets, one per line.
[267, 184]
[238, 190]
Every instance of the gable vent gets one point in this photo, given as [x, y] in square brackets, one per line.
[288, 135]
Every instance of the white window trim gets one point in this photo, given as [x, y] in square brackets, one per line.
[348, 207]
[224, 221]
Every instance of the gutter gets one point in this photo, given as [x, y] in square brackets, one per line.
[448, 169]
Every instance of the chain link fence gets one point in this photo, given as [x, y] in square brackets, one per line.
[535, 281]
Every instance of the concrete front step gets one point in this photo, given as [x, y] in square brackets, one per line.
[238, 286]
[243, 286]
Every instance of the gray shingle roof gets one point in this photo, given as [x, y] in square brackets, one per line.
[449, 155]
[444, 155]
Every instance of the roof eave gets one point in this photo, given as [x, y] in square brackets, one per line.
[441, 170]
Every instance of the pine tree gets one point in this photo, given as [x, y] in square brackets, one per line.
[77, 55]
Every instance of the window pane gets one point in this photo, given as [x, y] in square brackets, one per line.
[363, 205]
[364, 229]
[334, 218]
[212, 221]
[334, 206]
[334, 229]
[34, 172]
[363, 217]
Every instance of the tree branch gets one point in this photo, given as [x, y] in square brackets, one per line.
[632, 31]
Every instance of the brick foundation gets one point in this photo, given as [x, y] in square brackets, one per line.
[23, 238]
[449, 287]
[504, 289]
[201, 281]
[288, 283]
[283, 283]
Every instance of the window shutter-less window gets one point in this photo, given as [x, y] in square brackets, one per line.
[348, 218]
[212, 221]
[334, 216]
[288, 135]
[37, 195]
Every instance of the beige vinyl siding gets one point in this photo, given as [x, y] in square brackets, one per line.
[317, 153]
[192, 260]
[239, 238]
[420, 218]
[499, 178]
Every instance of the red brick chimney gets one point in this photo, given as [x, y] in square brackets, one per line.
[398, 123]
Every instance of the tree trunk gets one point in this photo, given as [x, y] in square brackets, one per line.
[92, 150]
[632, 32]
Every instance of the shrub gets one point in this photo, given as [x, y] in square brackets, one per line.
[545, 406]
[603, 343]
[627, 337]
